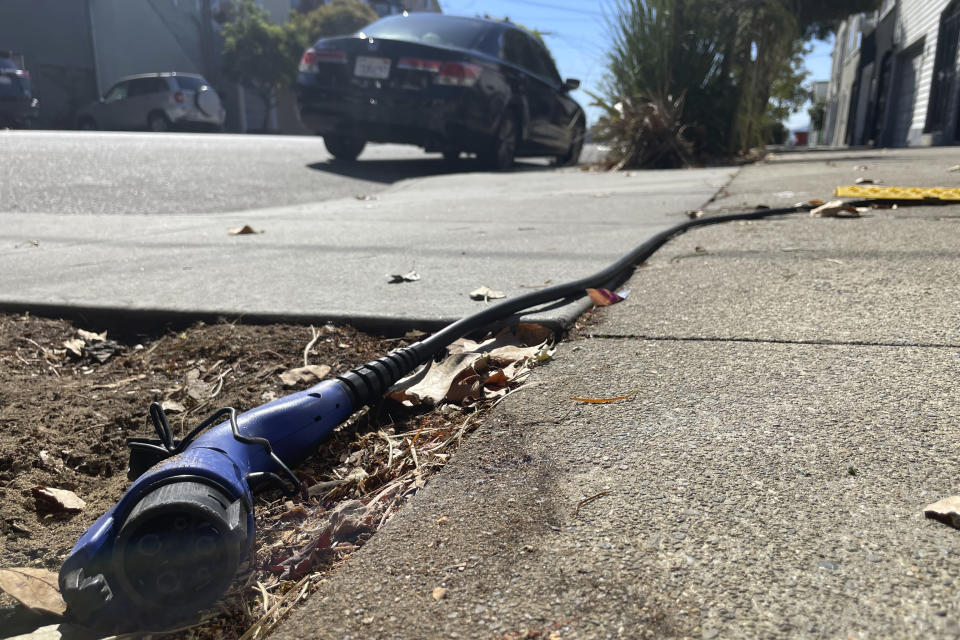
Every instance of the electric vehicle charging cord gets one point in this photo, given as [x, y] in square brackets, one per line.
[368, 382]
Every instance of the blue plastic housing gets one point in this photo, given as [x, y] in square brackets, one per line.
[92, 578]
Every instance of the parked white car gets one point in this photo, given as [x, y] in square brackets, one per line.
[156, 102]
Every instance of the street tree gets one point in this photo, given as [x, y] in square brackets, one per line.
[259, 55]
[338, 18]
[706, 78]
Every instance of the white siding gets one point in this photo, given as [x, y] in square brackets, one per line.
[919, 18]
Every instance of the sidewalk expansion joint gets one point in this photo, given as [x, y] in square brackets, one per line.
[821, 343]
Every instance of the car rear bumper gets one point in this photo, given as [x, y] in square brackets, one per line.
[435, 119]
[19, 108]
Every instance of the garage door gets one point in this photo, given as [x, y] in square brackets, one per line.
[905, 93]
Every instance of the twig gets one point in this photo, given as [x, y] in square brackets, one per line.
[306, 350]
[389, 444]
[586, 500]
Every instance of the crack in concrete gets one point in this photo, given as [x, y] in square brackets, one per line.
[822, 343]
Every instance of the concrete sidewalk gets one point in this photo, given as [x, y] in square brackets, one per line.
[330, 261]
[797, 408]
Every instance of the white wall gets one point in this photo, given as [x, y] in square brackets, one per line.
[919, 18]
[143, 36]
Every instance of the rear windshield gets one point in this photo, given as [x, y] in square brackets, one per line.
[430, 28]
[189, 83]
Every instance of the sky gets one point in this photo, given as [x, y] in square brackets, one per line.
[576, 32]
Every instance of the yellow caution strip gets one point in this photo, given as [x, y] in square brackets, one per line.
[898, 193]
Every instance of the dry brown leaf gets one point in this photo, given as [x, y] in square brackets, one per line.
[439, 593]
[75, 346]
[946, 511]
[50, 500]
[196, 387]
[90, 336]
[172, 406]
[486, 293]
[309, 373]
[475, 371]
[36, 589]
[835, 209]
[245, 230]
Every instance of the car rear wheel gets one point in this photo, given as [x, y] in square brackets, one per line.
[158, 122]
[344, 148]
[572, 156]
[503, 148]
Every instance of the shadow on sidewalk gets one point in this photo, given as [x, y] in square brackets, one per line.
[391, 171]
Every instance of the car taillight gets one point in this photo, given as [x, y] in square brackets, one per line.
[308, 62]
[178, 96]
[312, 57]
[23, 73]
[458, 74]
[417, 64]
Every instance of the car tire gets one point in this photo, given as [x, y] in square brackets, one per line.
[572, 156]
[503, 148]
[87, 124]
[343, 148]
[157, 122]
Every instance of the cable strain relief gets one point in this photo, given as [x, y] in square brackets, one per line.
[367, 383]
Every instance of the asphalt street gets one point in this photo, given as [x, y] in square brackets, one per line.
[61, 172]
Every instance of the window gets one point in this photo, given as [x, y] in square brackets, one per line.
[430, 28]
[141, 87]
[190, 83]
[117, 92]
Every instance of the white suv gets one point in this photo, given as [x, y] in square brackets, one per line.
[157, 102]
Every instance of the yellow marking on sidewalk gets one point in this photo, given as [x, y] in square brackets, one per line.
[898, 193]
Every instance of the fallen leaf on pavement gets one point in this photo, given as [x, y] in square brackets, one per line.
[412, 276]
[439, 593]
[954, 168]
[693, 215]
[308, 373]
[50, 500]
[866, 181]
[946, 511]
[245, 230]
[35, 589]
[606, 400]
[835, 209]
[605, 297]
[486, 293]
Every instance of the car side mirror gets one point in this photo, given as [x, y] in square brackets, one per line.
[571, 84]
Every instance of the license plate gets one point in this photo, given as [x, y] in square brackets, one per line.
[5, 80]
[369, 67]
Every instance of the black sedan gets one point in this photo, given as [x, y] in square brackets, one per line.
[18, 107]
[444, 83]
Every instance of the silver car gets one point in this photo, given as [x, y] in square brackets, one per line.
[157, 102]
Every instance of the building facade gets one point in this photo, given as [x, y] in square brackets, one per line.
[895, 78]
